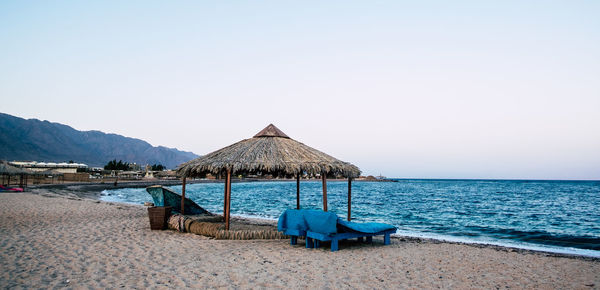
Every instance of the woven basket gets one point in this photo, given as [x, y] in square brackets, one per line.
[159, 215]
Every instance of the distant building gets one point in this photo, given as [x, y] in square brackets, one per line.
[134, 167]
[44, 166]
[166, 174]
[130, 174]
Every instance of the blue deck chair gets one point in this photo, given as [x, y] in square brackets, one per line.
[320, 226]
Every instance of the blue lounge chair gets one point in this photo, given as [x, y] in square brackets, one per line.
[320, 226]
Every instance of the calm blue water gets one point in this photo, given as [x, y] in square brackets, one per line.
[556, 216]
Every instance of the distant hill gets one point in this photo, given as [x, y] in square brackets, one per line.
[36, 140]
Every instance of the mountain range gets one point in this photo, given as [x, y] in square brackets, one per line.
[35, 140]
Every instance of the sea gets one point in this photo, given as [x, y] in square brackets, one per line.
[552, 216]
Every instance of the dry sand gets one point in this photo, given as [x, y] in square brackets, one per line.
[50, 241]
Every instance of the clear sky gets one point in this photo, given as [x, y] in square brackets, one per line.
[432, 89]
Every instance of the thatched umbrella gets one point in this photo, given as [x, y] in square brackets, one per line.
[9, 170]
[269, 151]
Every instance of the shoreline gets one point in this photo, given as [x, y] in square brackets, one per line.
[94, 191]
[52, 240]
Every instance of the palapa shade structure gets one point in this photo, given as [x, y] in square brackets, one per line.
[269, 151]
[9, 170]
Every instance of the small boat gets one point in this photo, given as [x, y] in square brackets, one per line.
[164, 196]
[14, 189]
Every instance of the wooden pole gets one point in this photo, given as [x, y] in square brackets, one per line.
[224, 195]
[324, 177]
[349, 197]
[228, 199]
[183, 196]
[298, 191]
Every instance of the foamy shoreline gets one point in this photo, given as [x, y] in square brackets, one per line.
[437, 237]
[94, 191]
[558, 251]
[54, 240]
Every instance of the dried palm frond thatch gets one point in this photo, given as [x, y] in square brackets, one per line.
[7, 169]
[269, 151]
[217, 230]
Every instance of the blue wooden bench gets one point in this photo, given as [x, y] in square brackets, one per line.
[294, 234]
[313, 239]
[319, 226]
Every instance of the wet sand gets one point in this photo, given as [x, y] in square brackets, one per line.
[49, 239]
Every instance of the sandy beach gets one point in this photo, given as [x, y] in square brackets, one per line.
[52, 240]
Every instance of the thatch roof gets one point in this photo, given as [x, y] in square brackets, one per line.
[7, 169]
[269, 151]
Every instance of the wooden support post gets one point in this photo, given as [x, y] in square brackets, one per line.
[183, 196]
[324, 177]
[228, 199]
[224, 195]
[349, 197]
[298, 191]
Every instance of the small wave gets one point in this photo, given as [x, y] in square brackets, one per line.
[503, 243]
[540, 237]
[475, 238]
[539, 215]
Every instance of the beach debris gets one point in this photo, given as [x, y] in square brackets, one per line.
[147, 203]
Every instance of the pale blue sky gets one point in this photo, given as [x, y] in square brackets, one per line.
[434, 89]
